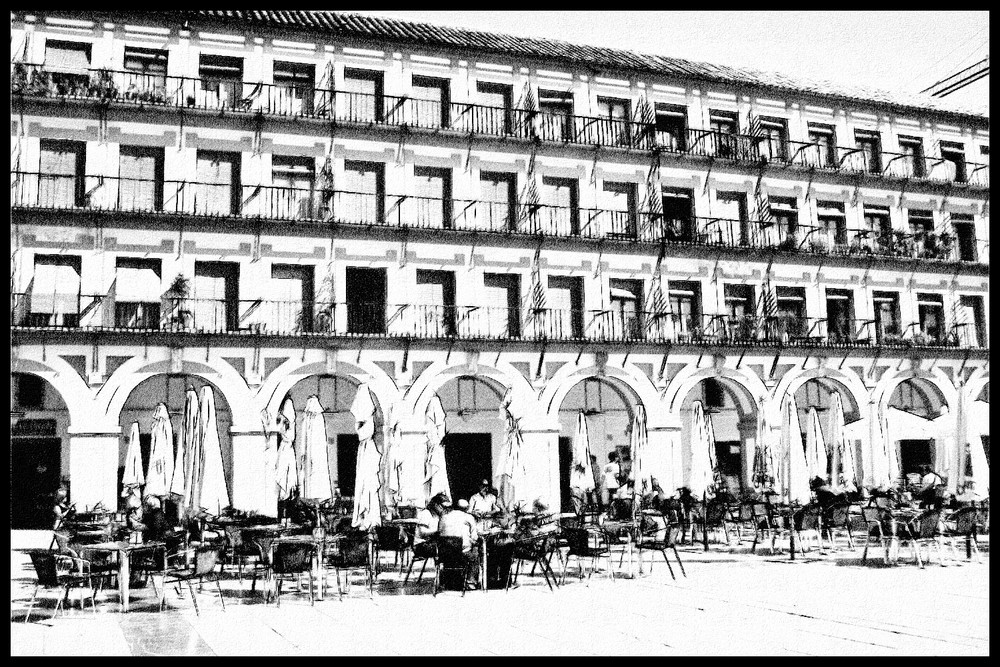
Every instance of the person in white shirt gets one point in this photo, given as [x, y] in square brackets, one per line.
[928, 487]
[459, 523]
[427, 526]
[611, 472]
[484, 502]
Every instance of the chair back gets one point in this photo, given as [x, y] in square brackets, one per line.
[205, 560]
[872, 514]
[653, 529]
[838, 516]
[45, 568]
[716, 513]
[883, 502]
[965, 520]
[390, 538]
[621, 509]
[292, 557]
[406, 511]
[352, 549]
[807, 518]
[761, 514]
[926, 524]
[234, 536]
[449, 550]
[746, 512]
[62, 545]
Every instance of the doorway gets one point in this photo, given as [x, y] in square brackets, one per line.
[913, 454]
[565, 467]
[347, 462]
[34, 478]
[366, 294]
[469, 460]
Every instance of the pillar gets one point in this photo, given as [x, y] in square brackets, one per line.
[93, 469]
[664, 446]
[250, 474]
[541, 460]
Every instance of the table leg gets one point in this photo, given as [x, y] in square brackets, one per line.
[319, 574]
[123, 579]
[482, 569]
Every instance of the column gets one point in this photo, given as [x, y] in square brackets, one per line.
[541, 460]
[93, 469]
[413, 445]
[664, 445]
[250, 475]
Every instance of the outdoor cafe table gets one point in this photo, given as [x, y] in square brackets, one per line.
[318, 544]
[124, 549]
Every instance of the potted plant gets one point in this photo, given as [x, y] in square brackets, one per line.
[176, 295]
[103, 86]
[819, 245]
[40, 84]
[19, 79]
[790, 242]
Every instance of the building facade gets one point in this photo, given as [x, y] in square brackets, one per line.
[285, 204]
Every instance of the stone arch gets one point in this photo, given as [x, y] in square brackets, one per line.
[567, 377]
[438, 374]
[796, 379]
[686, 379]
[74, 392]
[221, 375]
[977, 384]
[291, 372]
[886, 385]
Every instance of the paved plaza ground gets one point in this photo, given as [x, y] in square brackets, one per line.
[732, 602]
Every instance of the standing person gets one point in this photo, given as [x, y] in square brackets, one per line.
[612, 471]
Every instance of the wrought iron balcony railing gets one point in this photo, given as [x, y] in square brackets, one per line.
[437, 321]
[320, 205]
[297, 99]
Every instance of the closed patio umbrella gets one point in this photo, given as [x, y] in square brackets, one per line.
[367, 510]
[186, 452]
[701, 455]
[764, 472]
[396, 462]
[639, 452]
[843, 449]
[312, 454]
[581, 476]
[796, 487]
[212, 493]
[160, 472]
[816, 460]
[435, 473]
[512, 469]
[881, 475]
[132, 477]
[286, 472]
[971, 446]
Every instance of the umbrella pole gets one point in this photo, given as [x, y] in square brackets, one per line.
[704, 518]
[791, 534]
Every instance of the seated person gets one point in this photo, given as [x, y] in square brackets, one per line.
[655, 497]
[457, 522]
[155, 526]
[427, 526]
[929, 493]
[825, 494]
[484, 502]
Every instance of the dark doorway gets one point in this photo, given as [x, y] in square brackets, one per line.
[469, 459]
[365, 300]
[34, 478]
[916, 453]
[347, 462]
[565, 466]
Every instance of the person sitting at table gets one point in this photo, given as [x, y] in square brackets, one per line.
[154, 521]
[929, 495]
[457, 522]
[484, 502]
[825, 494]
[427, 526]
[612, 471]
[655, 497]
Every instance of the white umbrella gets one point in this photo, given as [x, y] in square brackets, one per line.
[764, 470]
[367, 510]
[581, 475]
[512, 471]
[132, 477]
[638, 450]
[435, 473]
[971, 444]
[843, 448]
[890, 451]
[286, 473]
[881, 472]
[188, 452]
[816, 460]
[160, 471]
[212, 495]
[796, 487]
[313, 458]
[701, 457]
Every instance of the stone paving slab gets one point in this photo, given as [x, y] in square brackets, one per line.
[731, 602]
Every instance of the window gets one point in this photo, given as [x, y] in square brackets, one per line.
[724, 141]
[54, 291]
[290, 292]
[965, 234]
[825, 152]
[30, 392]
[137, 293]
[832, 223]
[732, 227]
[363, 199]
[887, 322]
[293, 91]
[502, 305]
[140, 185]
[556, 109]
[922, 228]
[435, 304]
[626, 309]
[791, 303]
[362, 96]
[61, 173]
[984, 151]
[685, 307]
[613, 127]
[496, 116]
[221, 82]
[870, 145]
[930, 315]
[785, 215]
[970, 321]
[775, 144]
[740, 311]
[561, 214]
[564, 298]
[723, 122]
[955, 154]
[620, 203]
[432, 201]
[878, 229]
[293, 180]
[146, 78]
[912, 150]
[366, 294]
[840, 315]
[678, 215]
[218, 183]
[68, 64]
[671, 126]
[499, 194]
[431, 101]
[216, 296]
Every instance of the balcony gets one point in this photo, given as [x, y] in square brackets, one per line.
[317, 206]
[445, 322]
[462, 118]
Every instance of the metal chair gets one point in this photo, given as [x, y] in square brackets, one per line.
[878, 522]
[765, 524]
[292, 559]
[395, 539]
[451, 557]
[838, 517]
[428, 552]
[924, 530]
[658, 535]
[206, 558]
[964, 524]
[584, 543]
[46, 565]
[351, 552]
[808, 519]
[536, 550]
[715, 517]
